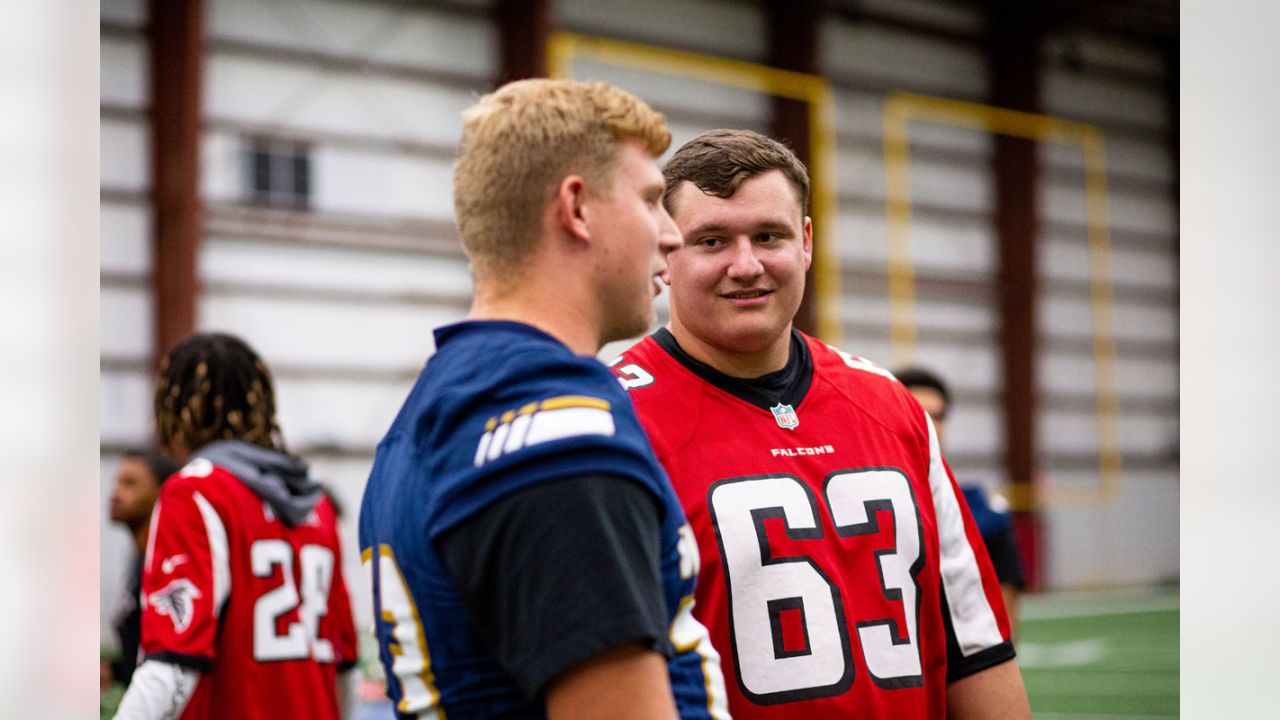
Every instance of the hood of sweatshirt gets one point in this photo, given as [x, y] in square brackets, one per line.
[278, 479]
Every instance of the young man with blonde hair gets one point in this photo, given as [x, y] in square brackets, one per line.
[528, 557]
[841, 573]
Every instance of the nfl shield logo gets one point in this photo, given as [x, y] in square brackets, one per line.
[786, 416]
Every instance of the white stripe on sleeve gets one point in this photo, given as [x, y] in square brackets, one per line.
[972, 618]
[218, 551]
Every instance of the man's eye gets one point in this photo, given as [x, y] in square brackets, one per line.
[711, 242]
[767, 237]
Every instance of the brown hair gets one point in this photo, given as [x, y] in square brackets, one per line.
[213, 386]
[718, 161]
[520, 141]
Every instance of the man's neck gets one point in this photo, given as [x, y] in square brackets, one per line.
[746, 365]
[139, 533]
[559, 312]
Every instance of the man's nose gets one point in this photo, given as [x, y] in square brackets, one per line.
[745, 264]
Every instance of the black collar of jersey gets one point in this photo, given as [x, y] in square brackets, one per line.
[787, 386]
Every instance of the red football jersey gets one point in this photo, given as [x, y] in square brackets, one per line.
[260, 607]
[842, 575]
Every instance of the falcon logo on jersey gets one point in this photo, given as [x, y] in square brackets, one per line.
[176, 600]
[786, 416]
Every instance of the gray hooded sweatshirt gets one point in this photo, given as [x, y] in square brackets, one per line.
[278, 479]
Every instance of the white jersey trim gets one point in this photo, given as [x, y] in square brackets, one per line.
[972, 619]
[218, 551]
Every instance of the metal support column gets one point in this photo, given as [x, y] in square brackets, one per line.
[176, 38]
[1014, 63]
[523, 29]
[793, 29]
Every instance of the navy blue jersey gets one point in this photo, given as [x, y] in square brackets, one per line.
[502, 407]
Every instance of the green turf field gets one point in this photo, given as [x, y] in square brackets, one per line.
[1101, 655]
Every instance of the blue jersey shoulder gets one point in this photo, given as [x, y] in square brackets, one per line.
[502, 406]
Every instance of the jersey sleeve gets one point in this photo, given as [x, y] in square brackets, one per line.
[978, 634]
[185, 578]
[540, 419]
[560, 573]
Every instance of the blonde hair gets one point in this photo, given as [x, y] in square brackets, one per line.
[520, 141]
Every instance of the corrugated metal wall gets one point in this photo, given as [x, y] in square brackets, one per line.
[1118, 88]
[126, 298]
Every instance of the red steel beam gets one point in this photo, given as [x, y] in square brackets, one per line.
[523, 29]
[1013, 54]
[793, 32]
[176, 38]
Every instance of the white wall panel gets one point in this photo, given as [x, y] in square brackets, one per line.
[943, 184]
[956, 247]
[123, 72]
[1134, 158]
[263, 91]
[1133, 541]
[400, 34]
[125, 322]
[125, 407]
[1094, 50]
[974, 367]
[1077, 94]
[126, 12]
[733, 29]
[1075, 432]
[337, 412]
[670, 93]
[1068, 259]
[381, 183]
[1074, 316]
[929, 314]
[222, 171]
[973, 428]
[1066, 204]
[861, 114]
[931, 12]
[125, 159]
[125, 232]
[904, 57]
[306, 266]
[311, 333]
[1072, 374]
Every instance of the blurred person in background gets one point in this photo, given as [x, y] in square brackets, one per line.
[138, 479]
[841, 573]
[529, 558]
[990, 510]
[245, 612]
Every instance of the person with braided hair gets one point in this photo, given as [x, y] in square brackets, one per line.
[245, 613]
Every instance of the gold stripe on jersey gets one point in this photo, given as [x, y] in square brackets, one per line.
[555, 418]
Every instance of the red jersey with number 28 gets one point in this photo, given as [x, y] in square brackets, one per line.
[260, 607]
[842, 575]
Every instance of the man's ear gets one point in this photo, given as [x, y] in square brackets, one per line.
[570, 196]
[808, 242]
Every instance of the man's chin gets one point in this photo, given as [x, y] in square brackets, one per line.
[634, 327]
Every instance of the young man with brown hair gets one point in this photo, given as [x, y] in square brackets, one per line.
[528, 557]
[840, 569]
